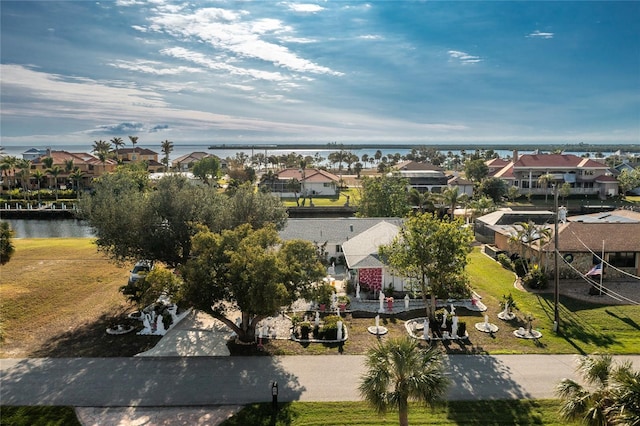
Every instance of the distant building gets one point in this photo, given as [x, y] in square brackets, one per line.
[310, 182]
[585, 176]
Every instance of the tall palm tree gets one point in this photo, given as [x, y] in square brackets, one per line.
[55, 171]
[611, 394]
[9, 163]
[399, 370]
[451, 197]
[38, 175]
[117, 143]
[167, 148]
[77, 176]
[25, 175]
[134, 141]
[101, 146]
[545, 180]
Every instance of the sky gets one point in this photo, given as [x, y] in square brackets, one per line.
[238, 72]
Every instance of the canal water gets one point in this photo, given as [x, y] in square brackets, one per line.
[50, 228]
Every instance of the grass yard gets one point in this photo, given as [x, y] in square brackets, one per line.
[58, 296]
[38, 416]
[517, 412]
[585, 327]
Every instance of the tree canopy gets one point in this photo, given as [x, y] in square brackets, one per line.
[135, 219]
[6, 244]
[434, 254]
[383, 196]
[247, 270]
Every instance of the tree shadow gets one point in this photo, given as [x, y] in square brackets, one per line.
[482, 377]
[573, 328]
[518, 412]
[625, 319]
[146, 381]
[91, 340]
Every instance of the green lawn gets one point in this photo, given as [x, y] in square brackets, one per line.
[334, 201]
[517, 412]
[38, 416]
[584, 327]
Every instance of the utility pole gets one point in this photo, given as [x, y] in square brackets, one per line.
[556, 290]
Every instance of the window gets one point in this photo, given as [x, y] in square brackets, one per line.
[338, 248]
[623, 259]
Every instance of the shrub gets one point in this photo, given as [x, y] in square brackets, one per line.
[520, 267]
[330, 327]
[305, 328]
[535, 278]
[323, 294]
[504, 260]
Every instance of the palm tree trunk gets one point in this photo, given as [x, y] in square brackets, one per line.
[403, 413]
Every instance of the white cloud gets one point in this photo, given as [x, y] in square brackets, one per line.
[539, 34]
[153, 67]
[305, 7]
[221, 64]
[237, 35]
[370, 37]
[463, 57]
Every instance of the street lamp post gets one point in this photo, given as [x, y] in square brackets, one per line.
[556, 292]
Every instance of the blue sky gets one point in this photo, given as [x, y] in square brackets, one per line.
[323, 71]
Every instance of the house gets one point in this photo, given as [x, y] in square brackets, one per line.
[185, 162]
[331, 233]
[582, 240]
[129, 155]
[364, 263]
[586, 176]
[89, 165]
[424, 177]
[494, 228]
[312, 182]
[465, 186]
[495, 165]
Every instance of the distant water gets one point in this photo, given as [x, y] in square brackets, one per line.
[183, 149]
[50, 228]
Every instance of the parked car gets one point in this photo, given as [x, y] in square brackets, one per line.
[140, 269]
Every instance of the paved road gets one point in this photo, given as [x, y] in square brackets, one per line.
[196, 381]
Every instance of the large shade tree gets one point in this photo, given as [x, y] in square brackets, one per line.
[383, 196]
[398, 370]
[433, 253]
[248, 271]
[135, 219]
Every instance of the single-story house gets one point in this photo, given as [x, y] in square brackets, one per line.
[331, 233]
[309, 182]
[364, 264]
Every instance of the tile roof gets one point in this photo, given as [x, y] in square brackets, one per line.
[311, 175]
[414, 166]
[556, 161]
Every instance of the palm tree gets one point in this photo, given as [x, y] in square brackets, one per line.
[77, 176]
[9, 163]
[545, 180]
[117, 143]
[422, 200]
[101, 146]
[134, 141]
[526, 234]
[25, 173]
[167, 148]
[451, 198]
[399, 370]
[611, 396]
[38, 175]
[55, 171]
